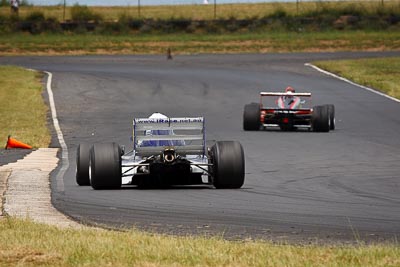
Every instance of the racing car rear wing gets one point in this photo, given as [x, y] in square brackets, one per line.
[283, 94]
[186, 135]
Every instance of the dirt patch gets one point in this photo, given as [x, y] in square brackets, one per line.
[22, 256]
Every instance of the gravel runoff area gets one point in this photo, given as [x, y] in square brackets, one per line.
[25, 187]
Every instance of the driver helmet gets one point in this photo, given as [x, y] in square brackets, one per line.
[289, 89]
[158, 115]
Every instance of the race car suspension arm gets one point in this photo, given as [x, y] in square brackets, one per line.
[131, 167]
[199, 165]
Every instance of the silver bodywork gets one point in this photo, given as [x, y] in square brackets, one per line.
[185, 136]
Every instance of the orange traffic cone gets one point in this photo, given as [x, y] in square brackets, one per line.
[13, 143]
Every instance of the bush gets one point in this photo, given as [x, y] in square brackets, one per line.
[166, 27]
[212, 27]
[279, 13]
[193, 27]
[36, 23]
[256, 25]
[4, 19]
[33, 23]
[5, 24]
[232, 24]
[180, 24]
[347, 10]
[52, 25]
[146, 27]
[113, 28]
[135, 24]
[4, 3]
[36, 16]
[82, 14]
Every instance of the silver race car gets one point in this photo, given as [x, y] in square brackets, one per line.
[166, 151]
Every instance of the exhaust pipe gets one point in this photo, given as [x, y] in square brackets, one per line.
[169, 158]
[169, 155]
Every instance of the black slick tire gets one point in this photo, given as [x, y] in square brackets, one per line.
[251, 117]
[332, 120]
[82, 164]
[105, 166]
[228, 164]
[320, 119]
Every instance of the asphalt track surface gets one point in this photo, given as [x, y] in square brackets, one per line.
[302, 186]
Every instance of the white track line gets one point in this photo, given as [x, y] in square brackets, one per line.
[350, 82]
[64, 151]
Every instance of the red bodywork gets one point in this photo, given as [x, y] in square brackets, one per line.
[271, 116]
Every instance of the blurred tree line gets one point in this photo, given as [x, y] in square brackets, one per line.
[21, 3]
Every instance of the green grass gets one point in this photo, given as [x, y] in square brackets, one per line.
[379, 73]
[23, 243]
[22, 109]
[52, 44]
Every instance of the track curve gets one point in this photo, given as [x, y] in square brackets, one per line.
[299, 185]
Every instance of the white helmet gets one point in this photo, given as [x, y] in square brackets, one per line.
[290, 89]
[158, 115]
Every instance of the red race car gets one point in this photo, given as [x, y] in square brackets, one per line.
[286, 111]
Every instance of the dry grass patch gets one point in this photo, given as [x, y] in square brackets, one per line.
[201, 12]
[27, 257]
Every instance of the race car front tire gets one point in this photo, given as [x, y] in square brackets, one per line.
[332, 120]
[320, 119]
[228, 164]
[251, 117]
[105, 166]
[82, 164]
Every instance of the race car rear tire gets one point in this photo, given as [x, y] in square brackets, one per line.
[82, 164]
[105, 166]
[228, 164]
[332, 120]
[320, 119]
[251, 117]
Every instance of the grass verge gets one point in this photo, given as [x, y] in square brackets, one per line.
[379, 73]
[75, 44]
[22, 109]
[25, 243]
